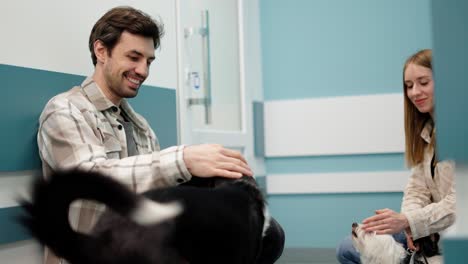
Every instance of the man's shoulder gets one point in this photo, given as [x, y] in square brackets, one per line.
[74, 98]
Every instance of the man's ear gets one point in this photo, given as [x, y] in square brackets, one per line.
[100, 50]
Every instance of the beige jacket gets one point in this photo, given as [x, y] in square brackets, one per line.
[429, 203]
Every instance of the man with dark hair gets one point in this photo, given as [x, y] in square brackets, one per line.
[110, 26]
[93, 127]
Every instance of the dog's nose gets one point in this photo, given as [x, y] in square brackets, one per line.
[354, 225]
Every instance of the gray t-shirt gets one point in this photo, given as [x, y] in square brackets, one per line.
[128, 126]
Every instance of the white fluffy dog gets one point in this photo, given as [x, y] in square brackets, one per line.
[383, 249]
[377, 249]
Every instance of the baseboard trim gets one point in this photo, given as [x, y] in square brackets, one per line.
[307, 255]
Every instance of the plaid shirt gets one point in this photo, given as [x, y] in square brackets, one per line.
[429, 202]
[80, 129]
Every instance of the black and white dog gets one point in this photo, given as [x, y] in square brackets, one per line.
[383, 249]
[224, 223]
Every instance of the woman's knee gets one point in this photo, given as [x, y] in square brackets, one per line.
[346, 253]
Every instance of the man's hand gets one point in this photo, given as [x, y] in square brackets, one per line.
[385, 221]
[209, 160]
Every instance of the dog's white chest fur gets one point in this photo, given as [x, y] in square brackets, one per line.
[381, 249]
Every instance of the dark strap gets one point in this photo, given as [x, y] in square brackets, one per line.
[425, 259]
[433, 165]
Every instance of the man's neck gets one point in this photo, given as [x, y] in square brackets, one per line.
[98, 78]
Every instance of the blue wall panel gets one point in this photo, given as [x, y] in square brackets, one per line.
[323, 220]
[450, 20]
[158, 106]
[341, 163]
[455, 250]
[28, 90]
[326, 48]
[10, 231]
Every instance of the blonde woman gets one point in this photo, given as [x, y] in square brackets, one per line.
[428, 204]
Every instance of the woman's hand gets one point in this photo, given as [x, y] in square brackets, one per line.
[409, 240]
[385, 221]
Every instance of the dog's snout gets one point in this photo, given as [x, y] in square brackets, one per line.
[353, 230]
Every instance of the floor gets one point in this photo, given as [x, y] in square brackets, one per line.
[308, 256]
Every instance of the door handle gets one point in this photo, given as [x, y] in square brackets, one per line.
[204, 32]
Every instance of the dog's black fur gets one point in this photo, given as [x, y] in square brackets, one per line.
[221, 224]
[427, 247]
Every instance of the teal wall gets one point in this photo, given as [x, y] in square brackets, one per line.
[337, 163]
[337, 47]
[450, 21]
[455, 250]
[10, 231]
[322, 220]
[327, 48]
[27, 91]
[158, 106]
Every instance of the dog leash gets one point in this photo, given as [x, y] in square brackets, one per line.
[413, 257]
[425, 259]
[412, 253]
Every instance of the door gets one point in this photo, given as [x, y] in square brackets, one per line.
[211, 95]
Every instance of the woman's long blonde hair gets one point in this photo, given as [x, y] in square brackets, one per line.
[415, 120]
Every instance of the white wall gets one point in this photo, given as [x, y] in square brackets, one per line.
[53, 35]
[345, 125]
